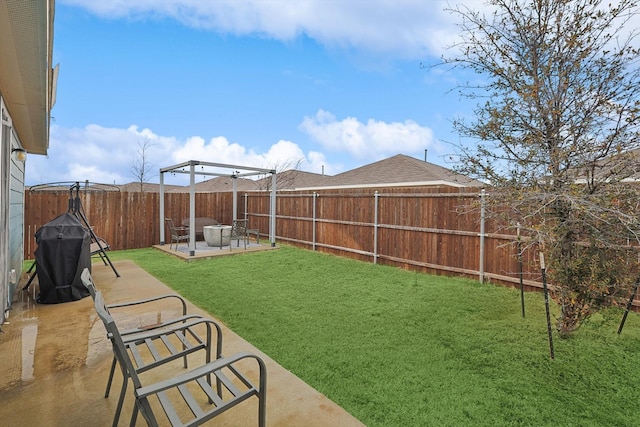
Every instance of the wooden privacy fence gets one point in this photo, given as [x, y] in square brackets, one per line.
[436, 230]
[124, 220]
[442, 231]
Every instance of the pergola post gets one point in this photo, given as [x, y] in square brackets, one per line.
[234, 182]
[192, 209]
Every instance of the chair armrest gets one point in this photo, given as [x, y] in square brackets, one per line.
[144, 334]
[152, 299]
[181, 319]
[201, 372]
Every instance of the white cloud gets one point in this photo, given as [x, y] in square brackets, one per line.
[94, 153]
[96, 173]
[217, 150]
[372, 140]
[106, 155]
[409, 29]
[403, 28]
[282, 155]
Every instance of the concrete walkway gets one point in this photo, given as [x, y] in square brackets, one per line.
[56, 358]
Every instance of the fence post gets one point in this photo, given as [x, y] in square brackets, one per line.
[272, 222]
[482, 217]
[162, 208]
[313, 238]
[246, 215]
[376, 195]
[87, 201]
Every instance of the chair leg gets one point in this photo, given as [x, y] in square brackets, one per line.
[134, 415]
[123, 391]
[186, 365]
[143, 406]
[262, 410]
[110, 380]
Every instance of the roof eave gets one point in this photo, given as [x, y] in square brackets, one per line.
[26, 78]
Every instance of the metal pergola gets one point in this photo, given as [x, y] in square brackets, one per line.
[237, 171]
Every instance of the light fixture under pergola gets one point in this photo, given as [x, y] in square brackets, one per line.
[238, 171]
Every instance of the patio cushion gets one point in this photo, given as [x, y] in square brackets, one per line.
[201, 222]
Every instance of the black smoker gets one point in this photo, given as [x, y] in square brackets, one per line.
[63, 252]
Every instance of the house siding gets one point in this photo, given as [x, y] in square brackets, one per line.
[5, 152]
[11, 216]
[16, 221]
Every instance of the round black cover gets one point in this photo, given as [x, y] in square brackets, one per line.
[63, 252]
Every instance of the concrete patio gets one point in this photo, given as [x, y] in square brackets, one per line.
[202, 250]
[56, 362]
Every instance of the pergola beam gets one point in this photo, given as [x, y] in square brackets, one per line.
[179, 168]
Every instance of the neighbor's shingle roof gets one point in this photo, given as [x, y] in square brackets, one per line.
[292, 179]
[400, 170]
[221, 184]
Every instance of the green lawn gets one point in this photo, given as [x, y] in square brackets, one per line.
[397, 348]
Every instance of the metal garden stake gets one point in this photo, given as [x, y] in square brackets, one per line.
[521, 273]
[546, 303]
[626, 312]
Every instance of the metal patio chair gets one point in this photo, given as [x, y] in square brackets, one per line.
[88, 282]
[178, 234]
[160, 343]
[192, 390]
[239, 231]
[99, 247]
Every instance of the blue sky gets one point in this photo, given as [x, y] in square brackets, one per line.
[326, 84]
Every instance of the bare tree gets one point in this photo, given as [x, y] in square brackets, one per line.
[556, 135]
[285, 174]
[141, 167]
